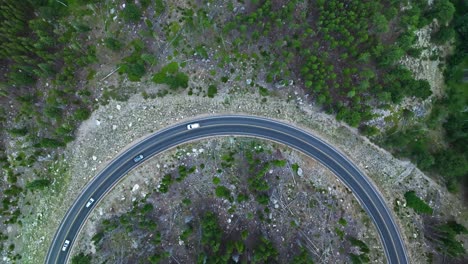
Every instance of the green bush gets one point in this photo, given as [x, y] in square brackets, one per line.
[50, 143]
[81, 259]
[360, 244]
[171, 76]
[113, 44]
[223, 192]
[18, 132]
[38, 184]
[159, 7]
[265, 251]
[443, 35]
[303, 257]
[97, 237]
[131, 13]
[211, 232]
[166, 182]
[212, 90]
[416, 203]
[443, 10]
[82, 114]
[216, 180]
[444, 237]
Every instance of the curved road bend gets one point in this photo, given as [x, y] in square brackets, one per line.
[349, 174]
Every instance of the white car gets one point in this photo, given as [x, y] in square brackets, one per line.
[90, 202]
[65, 245]
[193, 126]
[138, 158]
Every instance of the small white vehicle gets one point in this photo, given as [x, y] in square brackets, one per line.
[65, 245]
[193, 126]
[138, 158]
[90, 202]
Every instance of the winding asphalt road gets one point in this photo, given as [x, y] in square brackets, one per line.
[350, 175]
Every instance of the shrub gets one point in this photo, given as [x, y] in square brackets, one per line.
[265, 251]
[18, 132]
[131, 13]
[211, 232]
[416, 203]
[113, 44]
[82, 114]
[212, 91]
[39, 184]
[50, 143]
[223, 192]
[216, 180]
[97, 237]
[171, 76]
[443, 35]
[165, 183]
[358, 243]
[159, 7]
[81, 259]
[369, 130]
[303, 257]
[443, 10]
[443, 236]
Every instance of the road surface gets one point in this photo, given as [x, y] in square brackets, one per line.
[367, 194]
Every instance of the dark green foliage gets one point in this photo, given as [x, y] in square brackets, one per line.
[113, 44]
[171, 76]
[443, 236]
[216, 180]
[443, 10]
[342, 222]
[295, 167]
[223, 192]
[279, 163]
[417, 204]
[135, 64]
[212, 91]
[351, 117]
[159, 7]
[391, 55]
[81, 258]
[369, 130]
[363, 248]
[303, 257]
[158, 257]
[183, 172]
[242, 198]
[82, 114]
[131, 13]
[147, 208]
[38, 184]
[359, 259]
[18, 132]
[263, 91]
[97, 237]
[53, 112]
[50, 143]
[186, 233]
[166, 182]
[265, 251]
[453, 166]
[211, 233]
[443, 35]
[380, 23]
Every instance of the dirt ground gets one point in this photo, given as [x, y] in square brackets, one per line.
[312, 199]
